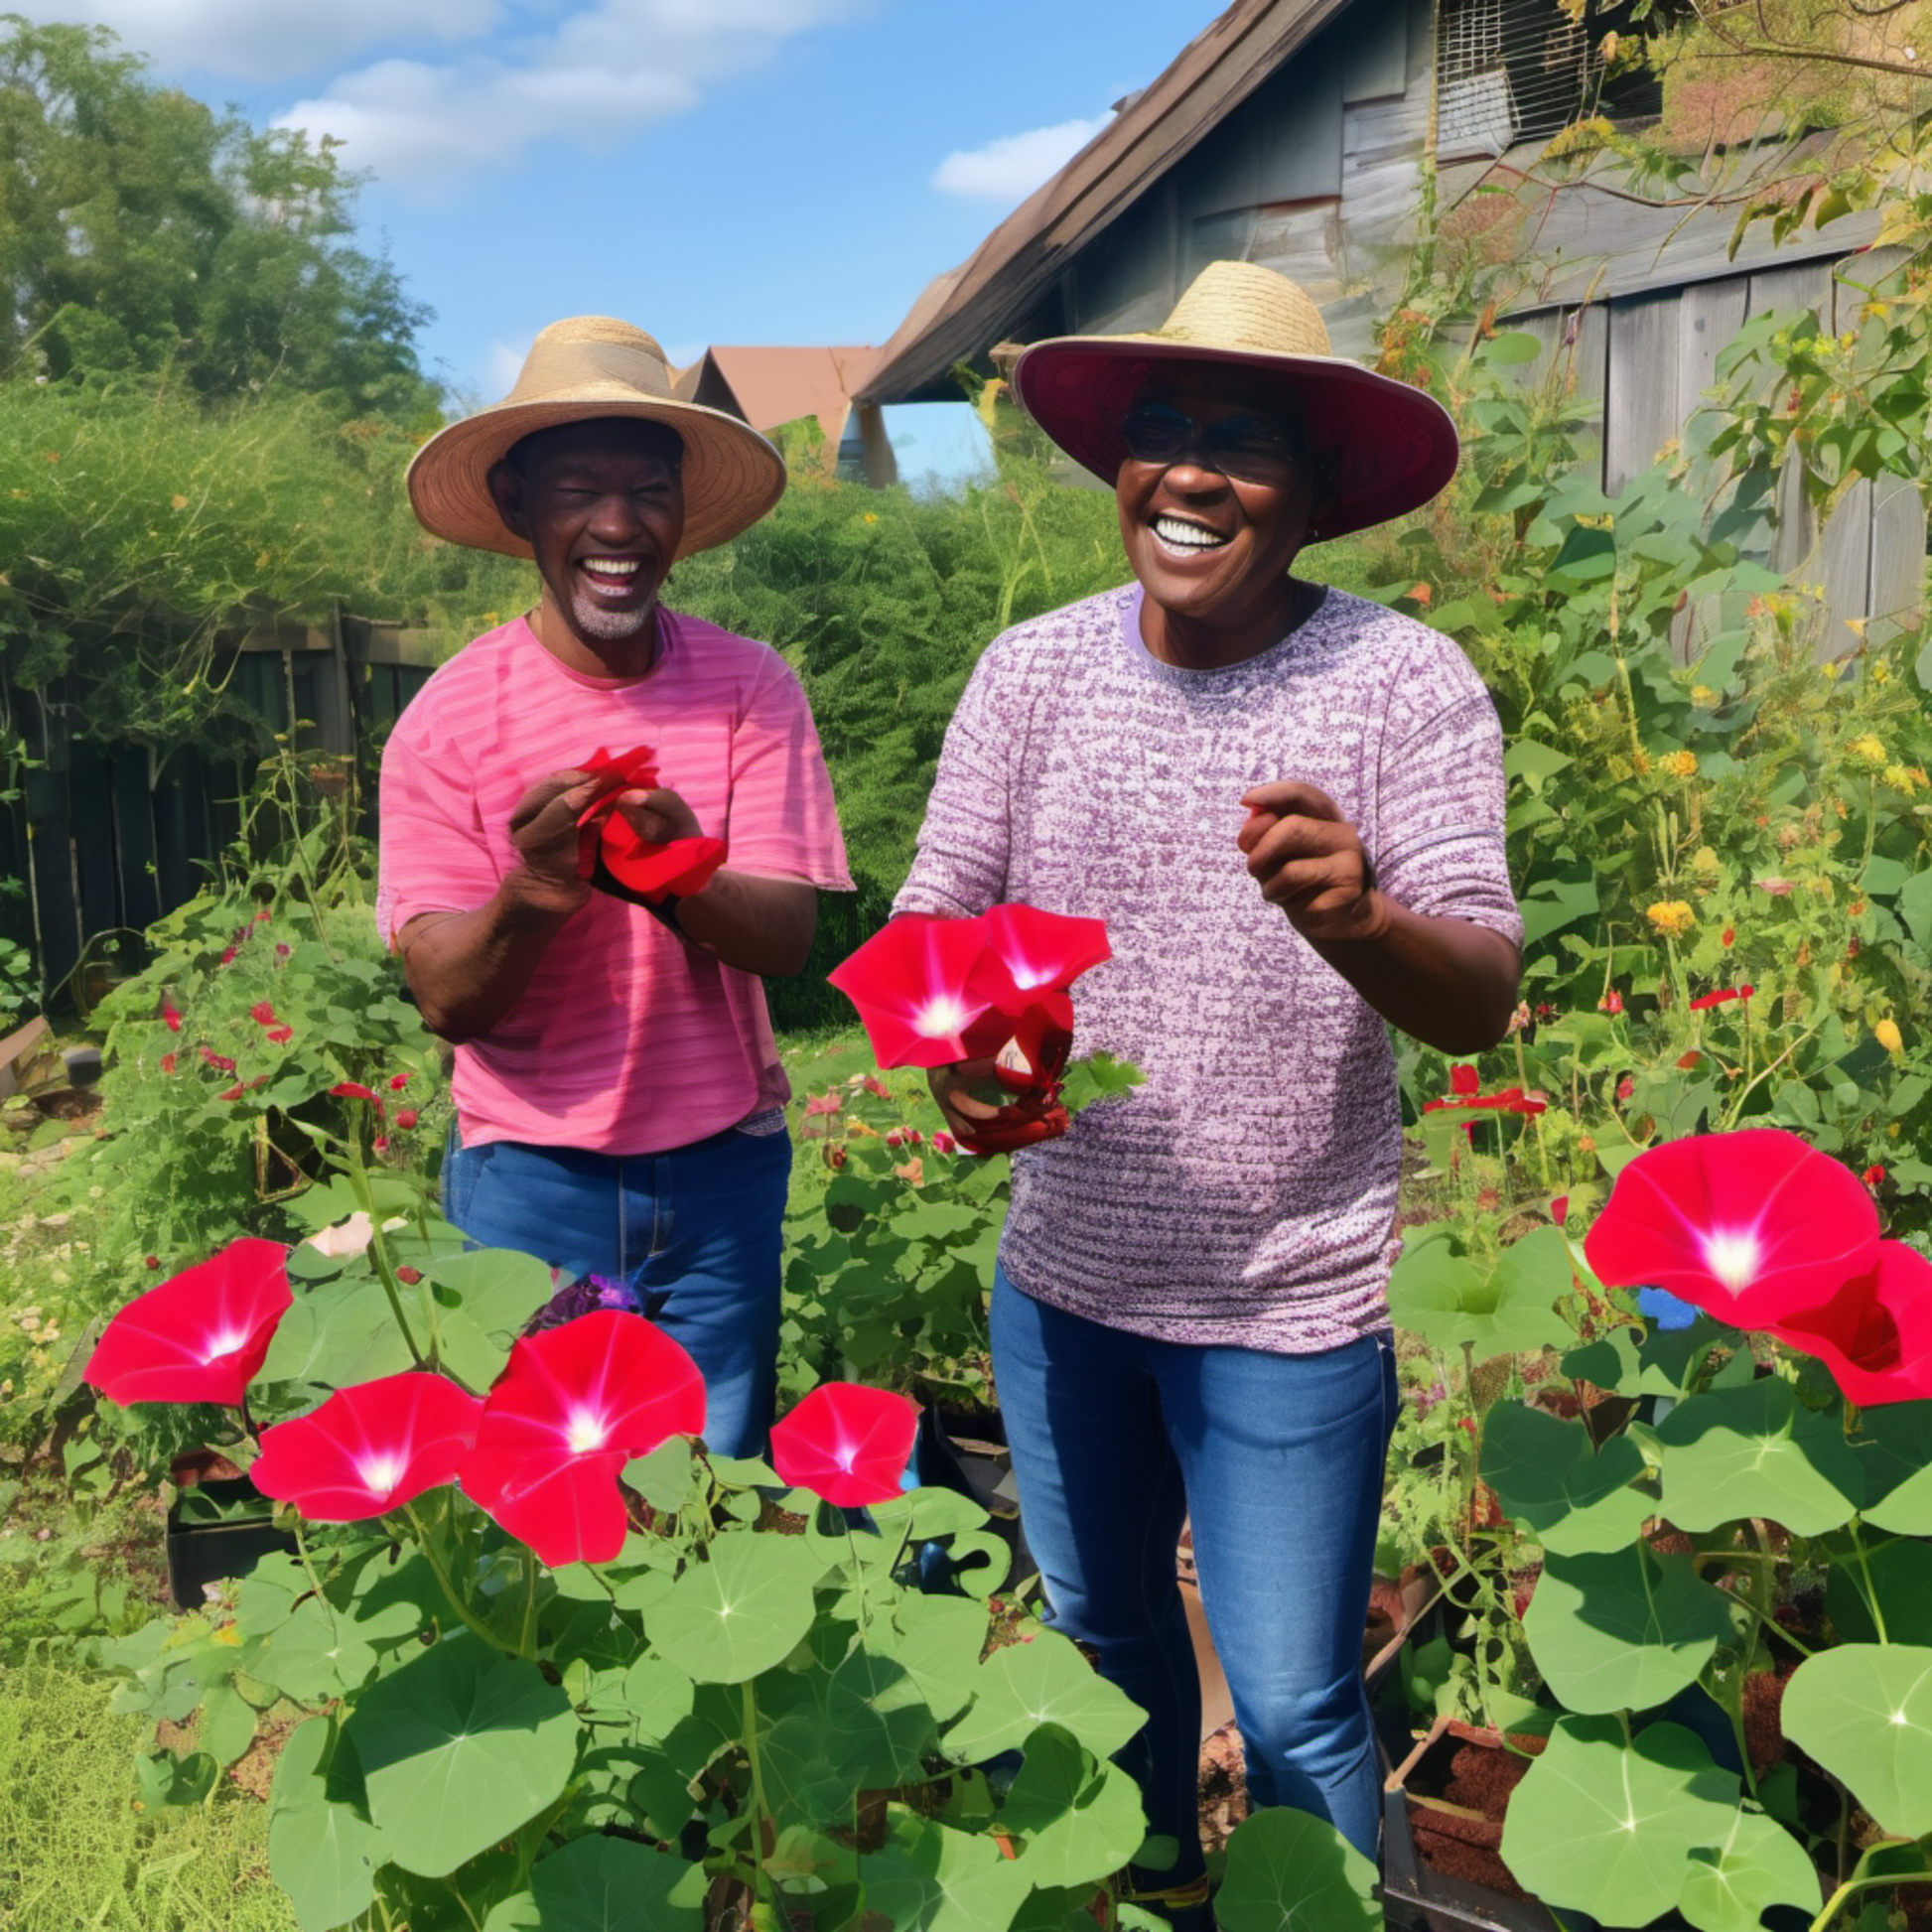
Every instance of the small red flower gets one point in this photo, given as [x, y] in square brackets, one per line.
[397, 1081]
[1611, 1002]
[260, 918]
[1690, 1059]
[199, 1337]
[1873, 1176]
[220, 1061]
[943, 1143]
[154, 1262]
[834, 1154]
[847, 1443]
[410, 1277]
[232, 1093]
[406, 1118]
[368, 1449]
[380, 1144]
[1464, 1081]
[1729, 936]
[282, 951]
[280, 1036]
[1754, 1226]
[1625, 1087]
[262, 1014]
[1559, 1209]
[167, 1062]
[821, 1104]
[353, 1090]
[169, 1013]
[575, 1405]
[1723, 997]
[227, 956]
[876, 1087]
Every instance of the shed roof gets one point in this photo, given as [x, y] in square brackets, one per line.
[960, 312]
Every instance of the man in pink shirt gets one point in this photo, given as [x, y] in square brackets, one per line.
[618, 1091]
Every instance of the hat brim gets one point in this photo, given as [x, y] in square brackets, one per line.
[1394, 446]
[731, 475]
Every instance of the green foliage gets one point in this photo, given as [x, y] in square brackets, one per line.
[144, 233]
[75, 1850]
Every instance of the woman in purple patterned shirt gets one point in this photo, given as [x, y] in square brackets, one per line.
[1286, 804]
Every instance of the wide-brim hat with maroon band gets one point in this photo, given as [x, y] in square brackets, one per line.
[576, 371]
[1391, 445]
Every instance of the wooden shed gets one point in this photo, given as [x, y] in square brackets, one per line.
[1317, 136]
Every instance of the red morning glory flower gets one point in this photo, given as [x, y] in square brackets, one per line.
[575, 1404]
[1875, 1332]
[913, 982]
[353, 1090]
[1611, 1002]
[1030, 953]
[369, 1447]
[397, 1081]
[169, 1013]
[280, 1036]
[846, 1442]
[1754, 1226]
[220, 1061]
[167, 1062]
[199, 1337]
[651, 870]
[262, 1014]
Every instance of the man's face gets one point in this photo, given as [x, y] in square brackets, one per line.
[602, 506]
[1206, 545]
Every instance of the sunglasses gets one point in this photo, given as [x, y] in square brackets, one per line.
[1249, 448]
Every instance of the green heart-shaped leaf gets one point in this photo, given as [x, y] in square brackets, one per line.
[1865, 1713]
[739, 1613]
[1289, 1872]
[1545, 1475]
[1041, 1681]
[1754, 1451]
[605, 1884]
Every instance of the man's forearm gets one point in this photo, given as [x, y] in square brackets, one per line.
[468, 969]
[1449, 982]
[757, 924]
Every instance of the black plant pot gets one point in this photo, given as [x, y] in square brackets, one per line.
[220, 1527]
[969, 1456]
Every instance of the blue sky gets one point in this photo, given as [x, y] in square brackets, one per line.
[717, 170]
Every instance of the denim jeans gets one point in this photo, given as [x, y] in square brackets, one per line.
[702, 1223]
[1278, 1460]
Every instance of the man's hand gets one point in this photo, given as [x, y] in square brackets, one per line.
[543, 828]
[659, 816]
[1309, 860]
[981, 1128]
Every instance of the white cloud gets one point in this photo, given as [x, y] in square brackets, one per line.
[593, 78]
[270, 39]
[1011, 168]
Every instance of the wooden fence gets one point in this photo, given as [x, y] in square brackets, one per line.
[106, 837]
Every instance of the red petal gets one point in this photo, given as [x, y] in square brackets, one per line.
[567, 1511]
[655, 868]
[1752, 1226]
[369, 1447]
[351, 1090]
[199, 1337]
[1464, 1080]
[909, 983]
[1876, 1333]
[846, 1442]
[1028, 952]
[1036, 1054]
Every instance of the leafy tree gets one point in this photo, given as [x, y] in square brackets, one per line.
[143, 233]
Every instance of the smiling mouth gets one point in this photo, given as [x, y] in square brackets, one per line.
[610, 577]
[1176, 533]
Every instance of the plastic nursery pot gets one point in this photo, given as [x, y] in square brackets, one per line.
[218, 1527]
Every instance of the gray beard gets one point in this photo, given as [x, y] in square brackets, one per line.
[610, 626]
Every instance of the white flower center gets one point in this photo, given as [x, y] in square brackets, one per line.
[1732, 1256]
[379, 1474]
[845, 1453]
[943, 1014]
[224, 1342]
[586, 1432]
[1026, 976]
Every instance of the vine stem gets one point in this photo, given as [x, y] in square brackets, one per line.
[465, 1616]
[764, 1888]
[1853, 1886]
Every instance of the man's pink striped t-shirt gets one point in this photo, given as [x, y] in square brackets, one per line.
[628, 1040]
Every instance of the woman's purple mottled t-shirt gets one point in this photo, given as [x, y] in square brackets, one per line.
[1246, 1193]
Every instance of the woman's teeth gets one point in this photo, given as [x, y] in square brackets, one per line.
[1187, 536]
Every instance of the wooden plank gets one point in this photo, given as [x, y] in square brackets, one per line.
[1547, 328]
[96, 868]
[1856, 278]
[1302, 243]
[1710, 314]
[1375, 60]
[1792, 542]
[1296, 117]
[1380, 130]
[51, 882]
[1845, 570]
[134, 837]
[1897, 590]
[1640, 403]
[174, 815]
[1803, 285]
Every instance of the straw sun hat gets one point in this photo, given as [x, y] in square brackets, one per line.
[578, 369]
[1393, 447]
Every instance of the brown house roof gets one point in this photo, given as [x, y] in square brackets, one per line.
[770, 387]
[958, 312]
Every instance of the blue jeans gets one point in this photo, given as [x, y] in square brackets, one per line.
[704, 1223]
[1278, 1460]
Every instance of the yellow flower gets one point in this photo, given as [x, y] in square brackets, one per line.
[1882, 672]
[1641, 759]
[1903, 777]
[1886, 1033]
[1671, 916]
[1704, 697]
[1868, 748]
[871, 516]
[1680, 765]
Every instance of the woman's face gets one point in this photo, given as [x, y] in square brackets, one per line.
[1208, 547]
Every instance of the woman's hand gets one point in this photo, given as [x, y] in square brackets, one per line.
[1309, 860]
[982, 1128]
